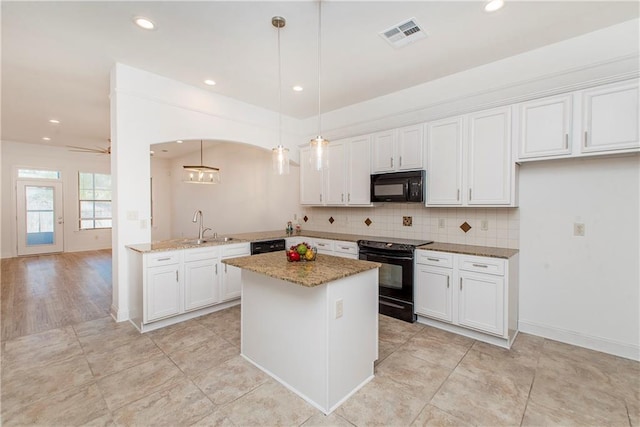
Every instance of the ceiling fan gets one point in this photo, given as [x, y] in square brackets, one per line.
[96, 150]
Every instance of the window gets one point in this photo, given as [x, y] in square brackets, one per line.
[94, 191]
[38, 174]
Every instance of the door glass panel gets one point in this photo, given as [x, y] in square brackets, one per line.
[40, 215]
[34, 173]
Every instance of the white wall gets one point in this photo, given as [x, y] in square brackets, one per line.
[249, 197]
[582, 290]
[69, 163]
[387, 221]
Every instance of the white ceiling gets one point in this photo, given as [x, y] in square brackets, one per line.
[56, 56]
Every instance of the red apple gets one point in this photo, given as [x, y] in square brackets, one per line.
[295, 256]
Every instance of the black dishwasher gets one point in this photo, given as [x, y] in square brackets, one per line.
[267, 246]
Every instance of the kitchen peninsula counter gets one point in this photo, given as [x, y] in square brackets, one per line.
[312, 326]
[324, 269]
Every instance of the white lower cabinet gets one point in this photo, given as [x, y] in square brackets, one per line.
[231, 282]
[163, 289]
[172, 286]
[471, 295]
[201, 278]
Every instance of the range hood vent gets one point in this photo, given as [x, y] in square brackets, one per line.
[403, 33]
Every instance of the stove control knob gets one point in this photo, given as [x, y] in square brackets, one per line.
[389, 245]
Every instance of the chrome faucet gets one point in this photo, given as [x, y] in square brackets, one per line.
[197, 215]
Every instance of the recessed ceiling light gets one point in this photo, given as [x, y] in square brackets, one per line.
[46, 138]
[54, 121]
[179, 141]
[298, 88]
[493, 5]
[144, 23]
[209, 82]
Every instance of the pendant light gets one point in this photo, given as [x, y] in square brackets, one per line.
[280, 154]
[319, 143]
[200, 174]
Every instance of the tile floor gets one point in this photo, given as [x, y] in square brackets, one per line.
[101, 373]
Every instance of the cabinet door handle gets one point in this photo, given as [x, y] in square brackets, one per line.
[321, 197]
[342, 197]
[391, 161]
[566, 141]
[469, 194]
[448, 281]
[348, 197]
[225, 268]
[177, 276]
[458, 196]
[461, 283]
[480, 265]
[586, 138]
[434, 259]
[400, 161]
[164, 259]
[216, 269]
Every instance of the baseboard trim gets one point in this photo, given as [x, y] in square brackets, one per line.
[119, 315]
[628, 351]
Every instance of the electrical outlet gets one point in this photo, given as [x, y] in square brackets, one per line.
[578, 229]
[484, 225]
[339, 308]
[441, 223]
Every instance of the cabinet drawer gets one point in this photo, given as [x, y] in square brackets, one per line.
[481, 264]
[438, 259]
[346, 247]
[163, 258]
[201, 253]
[323, 245]
[230, 251]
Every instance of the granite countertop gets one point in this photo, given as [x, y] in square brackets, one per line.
[325, 269]
[176, 244]
[470, 250]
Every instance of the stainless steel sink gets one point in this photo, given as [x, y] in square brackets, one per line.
[195, 241]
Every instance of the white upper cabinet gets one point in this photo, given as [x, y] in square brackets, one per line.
[310, 179]
[397, 150]
[345, 180]
[545, 127]
[489, 161]
[410, 144]
[469, 160]
[358, 171]
[610, 118]
[334, 175]
[383, 151]
[444, 162]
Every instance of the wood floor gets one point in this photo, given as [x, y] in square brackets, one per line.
[51, 291]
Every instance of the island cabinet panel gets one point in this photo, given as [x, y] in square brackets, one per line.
[471, 295]
[320, 342]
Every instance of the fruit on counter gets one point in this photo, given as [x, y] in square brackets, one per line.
[295, 256]
[302, 248]
[309, 255]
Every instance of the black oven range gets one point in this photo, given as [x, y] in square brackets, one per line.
[395, 279]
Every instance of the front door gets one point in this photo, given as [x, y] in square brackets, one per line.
[40, 222]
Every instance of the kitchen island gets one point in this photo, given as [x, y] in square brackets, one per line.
[313, 326]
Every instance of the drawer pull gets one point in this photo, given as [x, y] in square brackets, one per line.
[164, 259]
[433, 259]
[480, 265]
[345, 248]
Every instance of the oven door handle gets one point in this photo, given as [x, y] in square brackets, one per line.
[390, 257]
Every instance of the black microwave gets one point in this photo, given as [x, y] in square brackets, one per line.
[401, 187]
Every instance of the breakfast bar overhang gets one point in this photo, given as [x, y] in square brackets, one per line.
[312, 326]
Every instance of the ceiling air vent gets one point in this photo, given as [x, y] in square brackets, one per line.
[403, 33]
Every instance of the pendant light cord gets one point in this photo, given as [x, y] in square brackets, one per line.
[279, 93]
[319, 62]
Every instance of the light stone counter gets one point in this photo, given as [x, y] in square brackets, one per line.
[325, 269]
[470, 250]
[177, 244]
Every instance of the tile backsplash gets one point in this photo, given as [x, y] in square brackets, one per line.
[438, 224]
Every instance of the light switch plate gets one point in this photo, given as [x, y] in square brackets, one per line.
[339, 308]
[578, 229]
